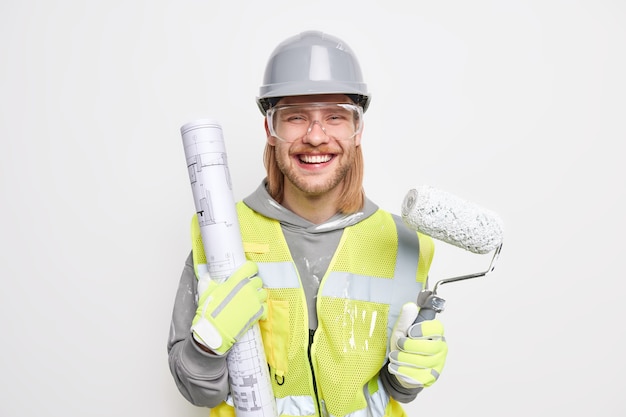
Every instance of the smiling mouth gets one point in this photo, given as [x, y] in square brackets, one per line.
[315, 159]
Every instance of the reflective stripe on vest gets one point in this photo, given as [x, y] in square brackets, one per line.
[278, 274]
[295, 405]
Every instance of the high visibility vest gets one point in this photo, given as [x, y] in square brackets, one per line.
[374, 271]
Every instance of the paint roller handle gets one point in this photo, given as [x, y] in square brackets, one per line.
[430, 304]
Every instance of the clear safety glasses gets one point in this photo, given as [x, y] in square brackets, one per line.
[340, 121]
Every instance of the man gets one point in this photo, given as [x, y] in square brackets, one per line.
[339, 276]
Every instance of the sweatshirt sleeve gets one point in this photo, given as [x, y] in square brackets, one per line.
[394, 389]
[201, 377]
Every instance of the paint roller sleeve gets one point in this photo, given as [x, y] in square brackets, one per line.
[451, 219]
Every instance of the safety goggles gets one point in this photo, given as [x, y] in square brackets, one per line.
[339, 121]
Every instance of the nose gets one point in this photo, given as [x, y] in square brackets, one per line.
[316, 136]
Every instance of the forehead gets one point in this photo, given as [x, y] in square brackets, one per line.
[317, 98]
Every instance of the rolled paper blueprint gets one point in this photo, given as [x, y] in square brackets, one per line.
[211, 185]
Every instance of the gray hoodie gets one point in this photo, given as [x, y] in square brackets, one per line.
[201, 377]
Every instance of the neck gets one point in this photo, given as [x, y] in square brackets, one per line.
[314, 208]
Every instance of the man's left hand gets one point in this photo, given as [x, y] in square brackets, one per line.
[417, 361]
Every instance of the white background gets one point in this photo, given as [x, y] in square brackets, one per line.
[517, 106]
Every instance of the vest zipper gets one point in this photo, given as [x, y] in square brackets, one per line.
[320, 405]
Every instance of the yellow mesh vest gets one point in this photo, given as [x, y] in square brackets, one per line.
[285, 332]
[346, 356]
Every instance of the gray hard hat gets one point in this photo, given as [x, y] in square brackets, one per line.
[309, 63]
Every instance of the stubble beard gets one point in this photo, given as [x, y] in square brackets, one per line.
[314, 188]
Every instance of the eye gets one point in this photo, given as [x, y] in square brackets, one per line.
[294, 117]
[337, 117]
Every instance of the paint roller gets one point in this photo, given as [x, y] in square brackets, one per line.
[453, 220]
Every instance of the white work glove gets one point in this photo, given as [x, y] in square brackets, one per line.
[416, 361]
[227, 310]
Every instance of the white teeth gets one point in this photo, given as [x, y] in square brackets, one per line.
[315, 159]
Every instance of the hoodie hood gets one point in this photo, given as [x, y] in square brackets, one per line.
[261, 202]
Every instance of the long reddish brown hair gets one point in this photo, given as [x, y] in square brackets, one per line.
[352, 194]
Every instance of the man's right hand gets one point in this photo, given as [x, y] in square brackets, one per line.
[226, 311]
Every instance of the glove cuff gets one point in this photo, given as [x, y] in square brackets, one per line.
[208, 335]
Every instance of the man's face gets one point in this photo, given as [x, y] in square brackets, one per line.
[314, 164]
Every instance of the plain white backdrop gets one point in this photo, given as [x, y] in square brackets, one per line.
[515, 105]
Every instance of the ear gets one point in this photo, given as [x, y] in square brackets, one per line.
[270, 139]
[357, 138]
